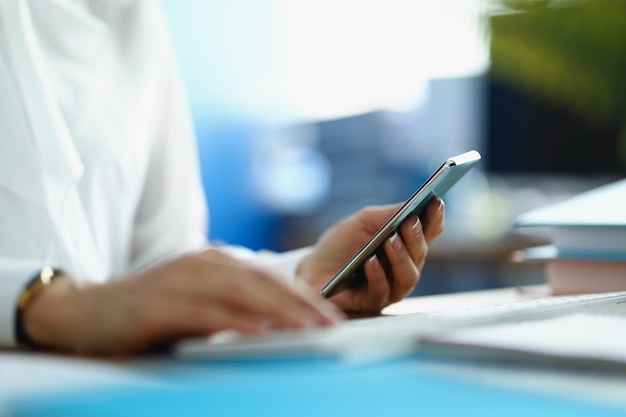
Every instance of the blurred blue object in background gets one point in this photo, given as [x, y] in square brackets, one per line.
[226, 152]
[254, 176]
[274, 96]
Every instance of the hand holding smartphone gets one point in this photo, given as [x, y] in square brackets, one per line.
[452, 170]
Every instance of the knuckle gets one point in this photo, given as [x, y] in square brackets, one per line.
[423, 251]
[380, 304]
[407, 228]
[397, 257]
[201, 315]
[418, 249]
[365, 213]
[262, 275]
[212, 254]
[433, 232]
[231, 285]
[187, 261]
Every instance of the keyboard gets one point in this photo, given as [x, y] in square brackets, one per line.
[392, 334]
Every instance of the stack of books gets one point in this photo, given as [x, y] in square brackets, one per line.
[588, 250]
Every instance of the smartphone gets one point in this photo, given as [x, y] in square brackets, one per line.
[352, 274]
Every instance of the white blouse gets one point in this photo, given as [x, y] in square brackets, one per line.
[98, 168]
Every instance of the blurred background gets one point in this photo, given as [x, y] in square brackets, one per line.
[306, 111]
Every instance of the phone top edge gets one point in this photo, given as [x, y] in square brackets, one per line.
[466, 157]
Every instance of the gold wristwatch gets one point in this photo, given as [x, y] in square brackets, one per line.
[30, 292]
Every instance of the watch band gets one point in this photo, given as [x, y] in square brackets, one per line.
[34, 287]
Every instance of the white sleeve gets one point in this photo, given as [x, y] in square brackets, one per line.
[14, 275]
[285, 263]
[17, 265]
[172, 216]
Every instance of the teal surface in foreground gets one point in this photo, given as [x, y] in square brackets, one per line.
[315, 388]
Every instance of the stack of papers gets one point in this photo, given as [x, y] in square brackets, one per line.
[588, 251]
[597, 340]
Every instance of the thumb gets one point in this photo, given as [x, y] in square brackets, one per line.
[374, 217]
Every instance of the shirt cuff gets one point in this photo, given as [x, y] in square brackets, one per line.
[285, 263]
[14, 278]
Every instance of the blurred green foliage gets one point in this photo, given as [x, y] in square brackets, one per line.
[572, 55]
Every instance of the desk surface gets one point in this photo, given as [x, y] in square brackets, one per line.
[466, 299]
[32, 375]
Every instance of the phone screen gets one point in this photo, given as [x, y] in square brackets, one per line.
[452, 170]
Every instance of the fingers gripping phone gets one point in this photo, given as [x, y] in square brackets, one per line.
[452, 170]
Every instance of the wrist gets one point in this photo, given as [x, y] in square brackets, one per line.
[42, 310]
